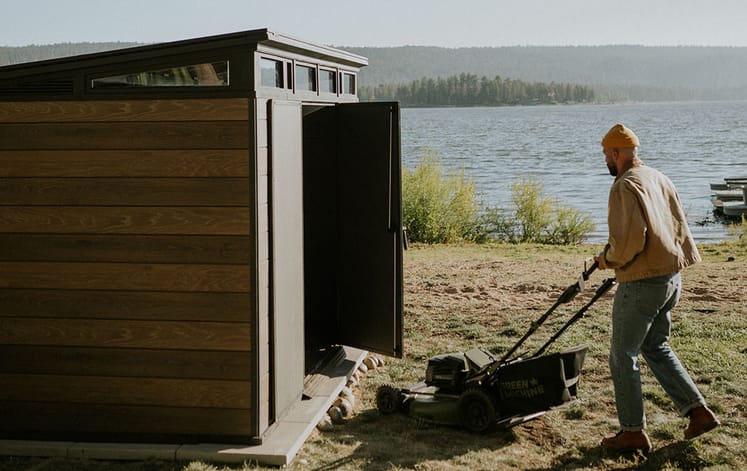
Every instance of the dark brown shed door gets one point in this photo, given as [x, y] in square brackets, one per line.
[370, 227]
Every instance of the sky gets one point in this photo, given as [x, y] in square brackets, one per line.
[383, 23]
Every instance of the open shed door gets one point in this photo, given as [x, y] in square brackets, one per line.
[369, 261]
[286, 271]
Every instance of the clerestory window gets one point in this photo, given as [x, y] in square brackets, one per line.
[210, 74]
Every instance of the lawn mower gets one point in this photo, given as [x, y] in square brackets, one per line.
[478, 390]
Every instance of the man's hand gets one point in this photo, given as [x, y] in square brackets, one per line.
[600, 261]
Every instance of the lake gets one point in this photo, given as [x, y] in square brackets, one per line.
[694, 143]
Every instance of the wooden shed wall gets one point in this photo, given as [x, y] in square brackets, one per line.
[126, 270]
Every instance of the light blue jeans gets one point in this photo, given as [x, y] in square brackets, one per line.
[641, 323]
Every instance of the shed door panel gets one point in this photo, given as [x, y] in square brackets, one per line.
[287, 282]
[370, 227]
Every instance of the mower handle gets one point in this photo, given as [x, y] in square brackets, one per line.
[567, 295]
[587, 273]
[601, 290]
[571, 291]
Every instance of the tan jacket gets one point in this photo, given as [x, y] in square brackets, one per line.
[649, 235]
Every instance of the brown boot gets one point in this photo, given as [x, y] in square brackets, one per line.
[701, 421]
[628, 442]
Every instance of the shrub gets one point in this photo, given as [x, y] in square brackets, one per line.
[536, 218]
[494, 223]
[533, 210]
[740, 231]
[441, 209]
[437, 208]
[570, 227]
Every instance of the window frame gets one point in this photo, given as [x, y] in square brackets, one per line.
[332, 72]
[336, 73]
[314, 69]
[354, 80]
[282, 68]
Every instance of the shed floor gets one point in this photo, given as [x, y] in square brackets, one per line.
[279, 446]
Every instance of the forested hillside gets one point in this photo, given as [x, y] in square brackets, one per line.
[636, 72]
[17, 55]
[471, 90]
[613, 72]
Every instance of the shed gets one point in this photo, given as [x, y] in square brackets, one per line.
[189, 232]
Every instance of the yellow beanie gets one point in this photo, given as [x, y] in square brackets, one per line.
[620, 136]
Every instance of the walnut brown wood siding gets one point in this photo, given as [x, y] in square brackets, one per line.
[126, 269]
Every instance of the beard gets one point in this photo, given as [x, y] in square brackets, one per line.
[612, 169]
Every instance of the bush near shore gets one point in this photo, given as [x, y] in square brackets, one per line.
[439, 207]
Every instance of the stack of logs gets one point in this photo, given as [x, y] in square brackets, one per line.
[342, 407]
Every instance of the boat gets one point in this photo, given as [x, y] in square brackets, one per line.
[729, 198]
[719, 186]
[736, 209]
[731, 194]
[736, 181]
[729, 183]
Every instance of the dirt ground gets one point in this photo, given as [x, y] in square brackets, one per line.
[487, 281]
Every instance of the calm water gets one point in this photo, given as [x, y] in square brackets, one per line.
[694, 143]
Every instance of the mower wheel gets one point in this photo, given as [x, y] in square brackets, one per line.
[476, 410]
[388, 399]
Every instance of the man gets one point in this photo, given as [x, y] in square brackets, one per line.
[649, 243]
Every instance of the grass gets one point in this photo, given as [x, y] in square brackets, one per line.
[465, 296]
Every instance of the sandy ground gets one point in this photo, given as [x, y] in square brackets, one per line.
[482, 282]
